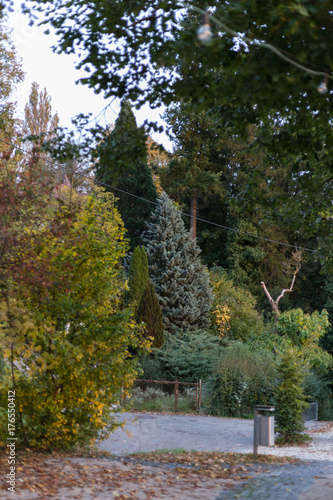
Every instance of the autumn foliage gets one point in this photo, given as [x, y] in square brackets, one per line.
[63, 331]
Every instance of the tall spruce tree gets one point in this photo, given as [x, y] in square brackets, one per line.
[123, 164]
[149, 311]
[180, 279]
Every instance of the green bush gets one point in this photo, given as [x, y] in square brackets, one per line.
[290, 399]
[238, 306]
[243, 379]
[186, 356]
[152, 368]
[304, 331]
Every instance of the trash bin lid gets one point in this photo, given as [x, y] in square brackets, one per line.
[264, 407]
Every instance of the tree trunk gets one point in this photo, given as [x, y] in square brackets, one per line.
[194, 215]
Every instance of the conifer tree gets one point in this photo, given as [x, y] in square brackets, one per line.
[122, 148]
[194, 173]
[138, 274]
[149, 311]
[179, 278]
[290, 398]
[123, 164]
[134, 211]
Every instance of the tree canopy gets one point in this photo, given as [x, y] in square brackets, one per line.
[108, 32]
[64, 332]
[11, 74]
[262, 67]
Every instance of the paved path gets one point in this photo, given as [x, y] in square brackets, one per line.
[150, 432]
[191, 432]
[312, 479]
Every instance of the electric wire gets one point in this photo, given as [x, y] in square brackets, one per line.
[103, 184]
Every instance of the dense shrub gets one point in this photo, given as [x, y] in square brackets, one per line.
[305, 331]
[290, 399]
[65, 337]
[234, 313]
[243, 378]
[186, 356]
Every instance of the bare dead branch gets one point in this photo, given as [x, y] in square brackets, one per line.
[292, 267]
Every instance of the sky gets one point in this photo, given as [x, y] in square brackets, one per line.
[57, 74]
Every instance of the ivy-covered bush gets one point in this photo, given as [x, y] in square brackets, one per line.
[243, 379]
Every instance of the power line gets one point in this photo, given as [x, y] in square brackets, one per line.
[109, 105]
[182, 213]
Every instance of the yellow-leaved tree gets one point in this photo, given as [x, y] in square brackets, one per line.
[65, 335]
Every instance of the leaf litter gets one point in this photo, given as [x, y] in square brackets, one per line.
[144, 476]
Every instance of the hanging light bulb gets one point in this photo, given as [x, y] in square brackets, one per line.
[205, 33]
[322, 87]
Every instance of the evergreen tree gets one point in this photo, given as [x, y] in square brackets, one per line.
[134, 211]
[138, 274]
[193, 174]
[122, 148]
[123, 164]
[180, 279]
[149, 311]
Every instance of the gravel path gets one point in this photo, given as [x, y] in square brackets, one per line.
[148, 432]
[312, 479]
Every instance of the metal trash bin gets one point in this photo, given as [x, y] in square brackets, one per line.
[263, 434]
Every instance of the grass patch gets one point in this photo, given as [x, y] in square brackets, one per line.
[298, 440]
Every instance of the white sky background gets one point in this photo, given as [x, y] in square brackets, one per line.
[57, 74]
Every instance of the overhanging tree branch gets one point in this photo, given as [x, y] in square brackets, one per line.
[263, 45]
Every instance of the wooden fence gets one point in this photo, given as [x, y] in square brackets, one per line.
[176, 383]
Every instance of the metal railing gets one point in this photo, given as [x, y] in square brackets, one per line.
[311, 413]
[176, 383]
